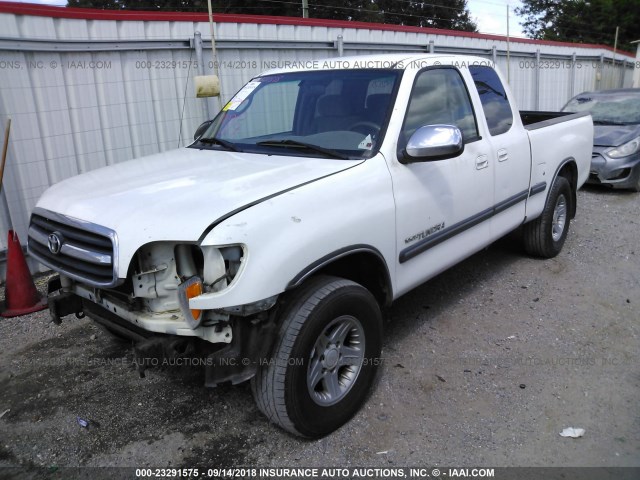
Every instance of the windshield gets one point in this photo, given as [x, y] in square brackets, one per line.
[608, 109]
[332, 114]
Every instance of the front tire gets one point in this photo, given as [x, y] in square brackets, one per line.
[324, 360]
[636, 187]
[545, 236]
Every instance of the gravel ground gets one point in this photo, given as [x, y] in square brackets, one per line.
[483, 366]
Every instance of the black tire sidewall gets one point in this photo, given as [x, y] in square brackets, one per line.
[560, 187]
[309, 418]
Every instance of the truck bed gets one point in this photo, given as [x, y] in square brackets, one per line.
[533, 120]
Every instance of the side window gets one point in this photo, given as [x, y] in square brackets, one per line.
[439, 96]
[495, 104]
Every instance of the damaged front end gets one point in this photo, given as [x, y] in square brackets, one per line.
[151, 308]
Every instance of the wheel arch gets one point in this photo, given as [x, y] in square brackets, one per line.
[362, 264]
[569, 170]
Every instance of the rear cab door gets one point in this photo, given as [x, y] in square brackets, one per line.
[510, 150]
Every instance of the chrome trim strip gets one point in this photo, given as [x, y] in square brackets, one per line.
[38, 236]
[85, 255]
[81, 279]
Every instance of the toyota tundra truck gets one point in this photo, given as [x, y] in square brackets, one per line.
[316, 196]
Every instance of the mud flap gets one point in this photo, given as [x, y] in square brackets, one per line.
[239, 361]
[234, 363]
[148, 352]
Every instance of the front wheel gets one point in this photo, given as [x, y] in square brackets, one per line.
[636, 187]
[324, 360]
[545, 236]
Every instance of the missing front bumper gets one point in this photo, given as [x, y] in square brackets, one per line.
[224, 363]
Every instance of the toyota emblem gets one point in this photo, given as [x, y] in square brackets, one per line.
[55, 242]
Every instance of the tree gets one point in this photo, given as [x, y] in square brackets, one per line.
[583, 21]
[452, 14]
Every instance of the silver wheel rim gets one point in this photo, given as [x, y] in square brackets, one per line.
[336, 360]
[559, 218]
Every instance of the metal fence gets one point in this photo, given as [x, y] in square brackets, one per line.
[88, 91]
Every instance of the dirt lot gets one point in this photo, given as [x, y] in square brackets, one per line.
[483, 366]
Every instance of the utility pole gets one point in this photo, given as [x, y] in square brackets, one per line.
[636, 69]
[305, 8]
[508, 48]
[213, 51]
[615, 46]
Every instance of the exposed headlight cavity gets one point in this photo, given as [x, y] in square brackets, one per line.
[217, 266]
[162, 271]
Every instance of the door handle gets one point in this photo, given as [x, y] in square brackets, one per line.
[482, 162]
[503, 155]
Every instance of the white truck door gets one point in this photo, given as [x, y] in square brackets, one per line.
[443, 207]
[510, 144]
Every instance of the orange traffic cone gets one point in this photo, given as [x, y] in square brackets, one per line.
[21, 296]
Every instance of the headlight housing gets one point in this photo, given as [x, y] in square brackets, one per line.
[625, 150]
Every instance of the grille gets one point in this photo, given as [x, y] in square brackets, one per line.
[82, 254]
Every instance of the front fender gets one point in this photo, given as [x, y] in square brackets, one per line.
[284, 235]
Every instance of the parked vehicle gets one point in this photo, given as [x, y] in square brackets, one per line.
[616, 143]
[316, 196]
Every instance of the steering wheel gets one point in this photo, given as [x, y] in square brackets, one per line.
[366, 127]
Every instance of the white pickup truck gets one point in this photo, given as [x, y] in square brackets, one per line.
[267, 247]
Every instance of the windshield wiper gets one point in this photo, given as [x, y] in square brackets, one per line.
[288, 143]
[226, 144]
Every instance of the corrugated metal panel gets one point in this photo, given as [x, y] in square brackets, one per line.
[77, 111]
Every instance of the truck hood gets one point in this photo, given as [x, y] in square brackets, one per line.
[177, 194]
[614, 135]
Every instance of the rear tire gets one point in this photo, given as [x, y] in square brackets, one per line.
[545, 236]
[324, 360]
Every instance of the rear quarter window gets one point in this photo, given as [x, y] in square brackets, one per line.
[496, 107]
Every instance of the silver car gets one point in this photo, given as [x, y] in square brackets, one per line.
[616, 143]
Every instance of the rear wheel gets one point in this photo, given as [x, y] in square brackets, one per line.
[324, 360]
[545, 236]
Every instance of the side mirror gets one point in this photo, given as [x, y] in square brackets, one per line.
[201, 129]
[433, 142]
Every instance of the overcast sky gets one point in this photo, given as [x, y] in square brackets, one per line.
[490, 15]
